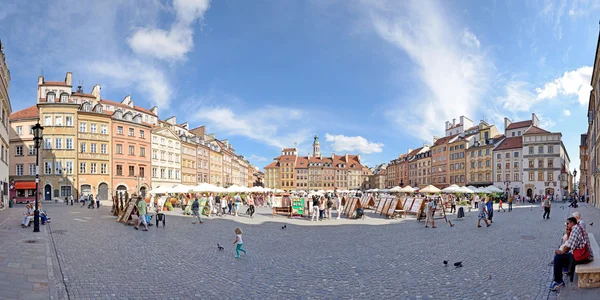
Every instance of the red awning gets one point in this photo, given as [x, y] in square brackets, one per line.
[25, 185]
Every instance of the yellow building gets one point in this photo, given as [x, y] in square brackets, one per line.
[94, 150]
[457, 171]
[216, 165]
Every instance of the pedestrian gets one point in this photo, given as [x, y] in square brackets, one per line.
[546, 207]
[218, 205]
[237, 201]
[429, 212]
[329, 207]
[82, 200]
[251, 208]
[91, 201]
[229, 204]
[452, 204]
[71, 199]
[490, 209]
[510, 202]
[322, 208]
[141, 207]
[196, 210]
[315, 208]
[338, 206]
[565, 256]
[476, 200]
[239, 242]
[481, 215]
[210, 204]
[97, 200]
[223, 206]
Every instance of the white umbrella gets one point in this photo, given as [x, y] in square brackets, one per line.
[256, 189]
[395, 189]
[464, 190]
[203, 187]
[450, 189]
[407, 189]
[493, 189]
[430, 189]
[159, 190]
[180, 189]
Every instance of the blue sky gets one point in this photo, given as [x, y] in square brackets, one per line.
[369, 77]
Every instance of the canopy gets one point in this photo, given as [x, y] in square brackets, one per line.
[464, 190]
[180, 189]
[407, 189]
[159, 190]
[204, 187]
[430, 189]
[451, 189]
[395, 189]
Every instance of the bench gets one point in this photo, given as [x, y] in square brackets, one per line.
[588, 275]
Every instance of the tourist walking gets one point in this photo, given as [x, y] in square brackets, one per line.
[338, 206]
[229, 204]
[82, 200]
[251, 209]
[429, 211]
[546, 207]
[481, 215]
[322, 208]
[490, 209]
[91, 202]
[97, 200]
[141, 207]
[210, 205]
[196, 210]
[511, 198]
[239, 242]
[452, 204]
[315, 208]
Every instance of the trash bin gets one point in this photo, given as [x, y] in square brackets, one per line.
[10, 203]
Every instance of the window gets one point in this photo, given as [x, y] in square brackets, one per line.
[498, 156]
[488, 163]
[540, 176]
[506, 155]
[531, 176]
[550, 163]
[131, 132]
[530, 150]
[82, 127]
[498, 166]
[452, 148]
[119, 149]
[120, 130]
[142, 152]
[507, 166]
[19, 130]
[550, 176]
[47, 143]
[93, 147]
[69, 167]
[131, 171]
[103, 129]
[516, 154]
[516, 177]
[103, 148]
[472, 165]
[19, 170]
[498, 177]
[170, 174]
[487, 151]
[516, 165]
[119, 170]
[540, 163]
[58, 143]
[154, 154]
[142, 134]
[131, 150]
[58, 120]
[480, 152]
[82, 168]
[68, 121]
[47, 120]
[31, 169]
[19, 151]
[513, 133]
[507, 177]
[154, 171]
[531, 164]
[162, 173]
[519, 133]
[550, 149]
[472, 153]
[58, 168]
[93, 128]
[69, 143]
[141, 172]
[48, 168]
[177, 174]
[103, 168]
[83, 147]
[480, 177]
[480, 164]
[541, 149]
[93, 168]
[64, 98]
[65, 191]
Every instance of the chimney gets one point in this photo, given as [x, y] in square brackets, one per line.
[172, 120]
[453, 122]
[332, 156]
[409, 150]
[358, 157]
[154, 110]
[185, 125]
[40, 80]
[346, 156]
[69, 78]
[535, 120]
[435, 138]
[96, 91]
[507, 122]
[447, 125]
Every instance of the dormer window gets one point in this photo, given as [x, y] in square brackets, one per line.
[64, 97]
[50, 97]
[99, 108]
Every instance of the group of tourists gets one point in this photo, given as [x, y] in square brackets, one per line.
[322, 206]
[222, 205]
[29, 215]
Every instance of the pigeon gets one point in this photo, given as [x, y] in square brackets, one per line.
[458, 264]
[490, 277]
[283, 227]
[220, 247]
[592, 224]
[445, 263]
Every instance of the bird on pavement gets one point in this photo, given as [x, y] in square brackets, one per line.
[490, 277]
[220, 247]
[283, 227]
[592, 224]
[458, 264]
[445, 263]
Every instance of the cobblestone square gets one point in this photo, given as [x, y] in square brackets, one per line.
[370, 258]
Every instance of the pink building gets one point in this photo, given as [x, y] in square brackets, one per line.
[22, 155]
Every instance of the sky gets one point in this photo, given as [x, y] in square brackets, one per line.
[368, 77]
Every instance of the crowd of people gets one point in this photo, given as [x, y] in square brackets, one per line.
[29, 215]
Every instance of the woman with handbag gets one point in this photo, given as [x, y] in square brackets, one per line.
[575, 251]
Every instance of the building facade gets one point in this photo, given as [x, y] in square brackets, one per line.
[166, 158]
[189, 173]
[22, 155]
[582, 188]
[6, 111]
[508, 165]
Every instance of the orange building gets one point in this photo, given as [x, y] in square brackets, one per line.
[439, 161]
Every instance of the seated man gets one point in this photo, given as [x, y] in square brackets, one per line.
[27, 216]
[563, 257]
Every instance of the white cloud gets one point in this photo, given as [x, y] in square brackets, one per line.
[276, 126]
[517, 96]
[342, 143]
[469, 39]
[175, 43]
[566, 112]
[545, 123]
[576, 82]
[455, 77]
[255, 157]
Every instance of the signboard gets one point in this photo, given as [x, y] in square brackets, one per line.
[408, 203]
[276, 201]
[298, 206]
[392, 208]
[125, 216]
[416, 205]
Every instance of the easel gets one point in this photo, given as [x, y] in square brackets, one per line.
[439, 206]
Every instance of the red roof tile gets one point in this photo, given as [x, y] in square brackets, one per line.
[535, 129]
[444, 140]
[510, 143]
[519, 124]
[59, 83]
[83, 95]
[272, 165]
[499, 136]
[118, 104]
[31, 112]
[302, 162]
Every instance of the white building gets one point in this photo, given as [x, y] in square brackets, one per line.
[508, 165]
[4, 138]
[546, 163]
[166, 158]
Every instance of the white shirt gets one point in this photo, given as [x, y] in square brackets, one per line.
[210, 200]
[239, 239]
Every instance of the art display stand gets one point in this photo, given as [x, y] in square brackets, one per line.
[440, 211]
[282, 206]
[351, 206]
[367, 202]
[298, 206]
[396, 208]
[130, 208]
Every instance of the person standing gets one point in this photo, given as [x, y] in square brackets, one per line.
[339, 207]
[315, 208]
[490, 209]
[141, 206]
[223, 206]
[237, 201]
[546, 208]
[196, 210]
[429, 211]
[481, 215]
[329, 206]
[452, 204]
[97, 200]
[251, 206]
[511, 198]
[218, 205]
[322, 208]
[239, 242]
[210, 204]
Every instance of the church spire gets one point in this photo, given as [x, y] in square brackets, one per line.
[316, 147]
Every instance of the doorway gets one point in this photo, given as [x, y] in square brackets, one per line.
[47, 192]
[530, 193]
[103, 191]
[86, 189]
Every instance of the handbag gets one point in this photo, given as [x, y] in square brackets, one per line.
[583, 253]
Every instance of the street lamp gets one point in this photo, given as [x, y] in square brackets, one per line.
[574, 176]
[37, 137]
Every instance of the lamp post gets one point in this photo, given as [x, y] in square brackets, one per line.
[574, 176]
[37, 137]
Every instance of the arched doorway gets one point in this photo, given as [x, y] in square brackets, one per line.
[86, 189]
[48, 192]
[143, 192]
[530, 193]
[121, 189]
[103, 191]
